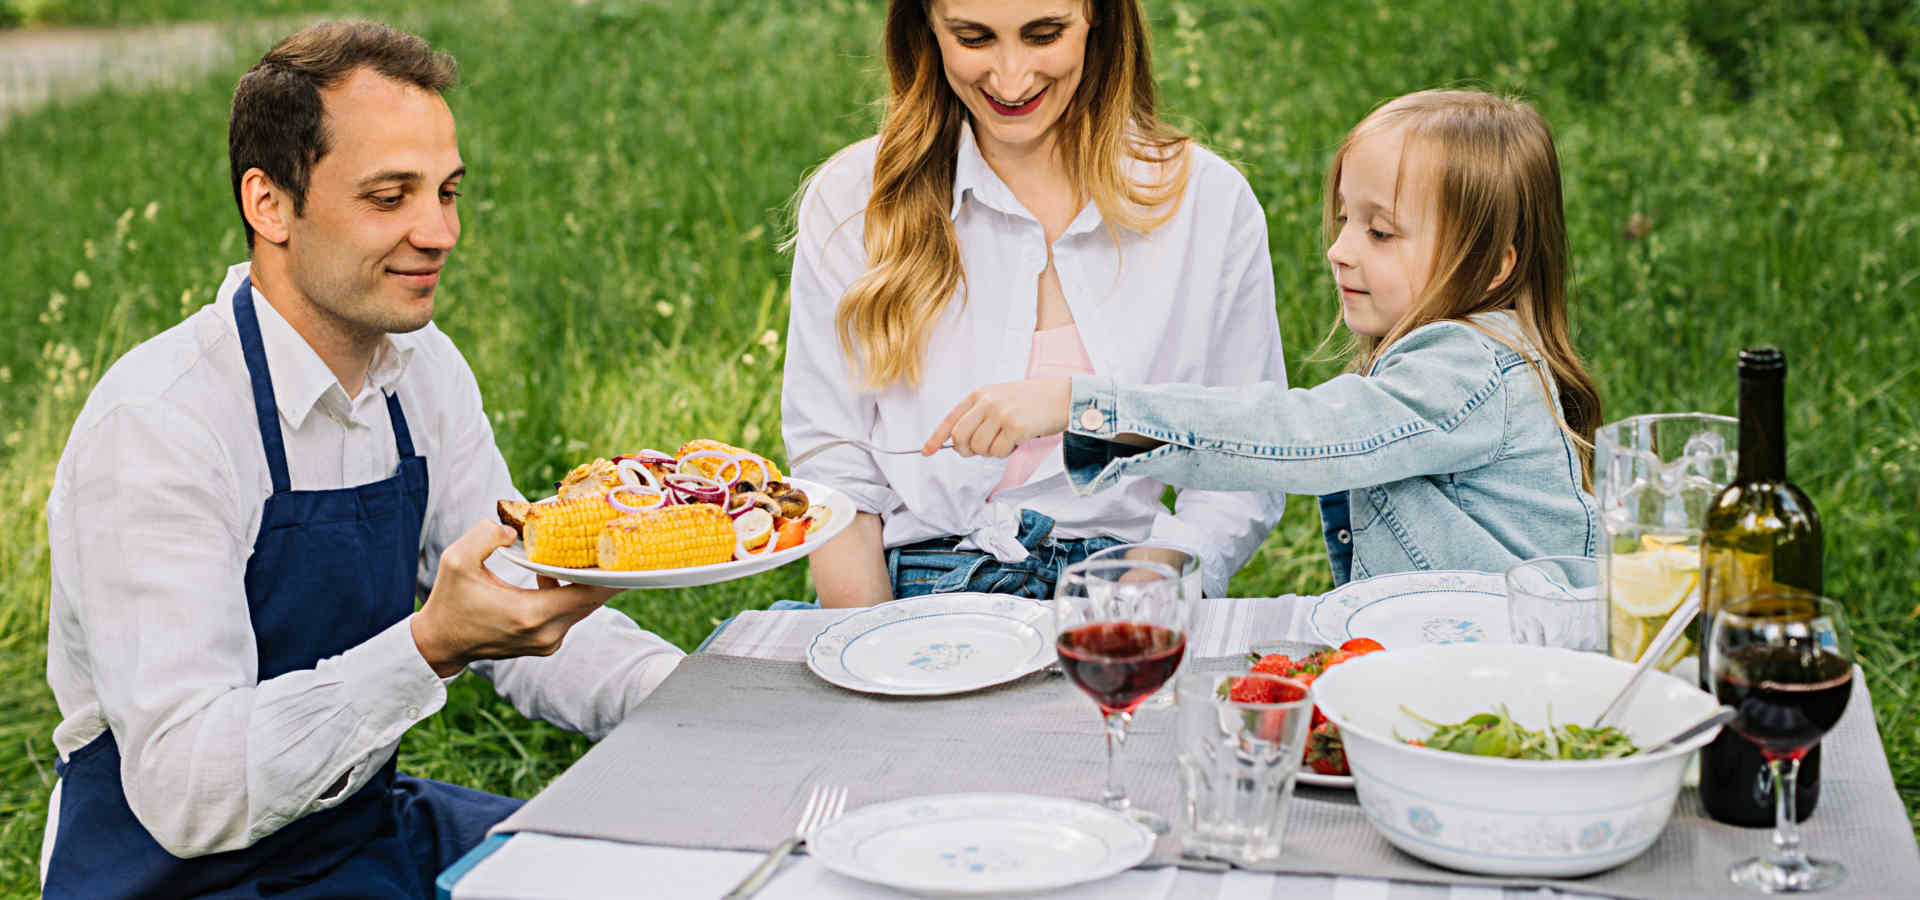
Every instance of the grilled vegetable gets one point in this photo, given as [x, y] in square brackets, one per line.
[755, 469]
[696, 534]
[513, 514]
[566, 531]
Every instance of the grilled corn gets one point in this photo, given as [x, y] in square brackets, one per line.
[566, 532]
[754, 468]
[696, 534]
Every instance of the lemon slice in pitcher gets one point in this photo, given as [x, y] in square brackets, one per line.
[1652, 582]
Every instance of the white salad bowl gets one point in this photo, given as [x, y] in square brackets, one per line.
[1505, 816]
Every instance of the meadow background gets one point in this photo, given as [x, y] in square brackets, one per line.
[1735, 174]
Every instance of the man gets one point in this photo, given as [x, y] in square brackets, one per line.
[249, 502]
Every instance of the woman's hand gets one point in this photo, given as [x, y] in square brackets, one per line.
[993, 420]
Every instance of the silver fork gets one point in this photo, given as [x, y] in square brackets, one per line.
[823, 806]
[795, 462]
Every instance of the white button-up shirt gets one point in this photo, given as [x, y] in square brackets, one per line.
[153, 514]
[1190, 302]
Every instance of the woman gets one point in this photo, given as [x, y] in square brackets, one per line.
[1022, 212]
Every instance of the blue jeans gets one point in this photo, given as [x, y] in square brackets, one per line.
[935, 567]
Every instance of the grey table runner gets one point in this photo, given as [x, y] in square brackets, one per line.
[719, 756]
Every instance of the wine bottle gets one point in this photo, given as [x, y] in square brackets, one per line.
[1761, 535]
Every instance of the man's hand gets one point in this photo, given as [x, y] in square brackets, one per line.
[473, 614]
[993, 420]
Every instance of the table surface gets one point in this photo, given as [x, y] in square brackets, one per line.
[528, 866]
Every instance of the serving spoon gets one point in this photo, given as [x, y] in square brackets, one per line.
[1718, 717]
[1662, 642]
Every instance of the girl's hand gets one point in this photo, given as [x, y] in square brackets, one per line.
[993, 420]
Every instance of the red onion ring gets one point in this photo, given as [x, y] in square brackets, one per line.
[738, 505]
[695, 488]
[613, 499]
[634, 473]
[727, 459]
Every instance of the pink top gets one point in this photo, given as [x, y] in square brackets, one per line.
[1057, 353]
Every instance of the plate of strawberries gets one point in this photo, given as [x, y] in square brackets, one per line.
[1325, 761]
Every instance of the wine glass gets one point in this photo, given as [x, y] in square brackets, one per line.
[1181, 560]
[1784, 662]
[1122, 632]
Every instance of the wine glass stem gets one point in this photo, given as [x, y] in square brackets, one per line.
[1786, 832]
[1116, 793]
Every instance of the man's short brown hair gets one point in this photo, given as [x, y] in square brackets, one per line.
[277, 123]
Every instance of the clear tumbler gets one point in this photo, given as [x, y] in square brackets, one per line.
[1238, 763]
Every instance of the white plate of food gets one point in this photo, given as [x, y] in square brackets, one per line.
[935, 644]
[973, 844]
[1415, 609]
[824, 511]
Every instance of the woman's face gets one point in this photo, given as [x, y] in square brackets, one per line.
[1014, 63]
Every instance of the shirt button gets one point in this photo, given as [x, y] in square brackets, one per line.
[1092, 419]
[413, 712]
[1343, 536]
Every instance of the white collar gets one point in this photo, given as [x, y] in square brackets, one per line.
[301, 379]
[971, 173]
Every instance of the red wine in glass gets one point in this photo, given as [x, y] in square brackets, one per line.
[1784, 699]
[1119, 664]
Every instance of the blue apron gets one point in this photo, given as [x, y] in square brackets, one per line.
[329, 570]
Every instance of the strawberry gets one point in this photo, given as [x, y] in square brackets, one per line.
[1274, 664]
[1359, 646]
[1325, 753]
[1339, 656]
[1254, 690]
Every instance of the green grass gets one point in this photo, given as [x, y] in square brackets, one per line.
[632, 163]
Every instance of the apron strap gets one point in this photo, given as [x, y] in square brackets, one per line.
[262, 380]
[402, 438]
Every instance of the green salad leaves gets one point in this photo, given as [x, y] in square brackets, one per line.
[1491, 734]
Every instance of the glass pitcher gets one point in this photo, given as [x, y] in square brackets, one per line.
[1654, 476]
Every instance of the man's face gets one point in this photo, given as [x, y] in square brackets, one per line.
[1383, 253]
[381, 214]
[1014, 63]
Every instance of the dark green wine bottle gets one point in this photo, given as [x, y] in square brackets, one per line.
[1761, 535]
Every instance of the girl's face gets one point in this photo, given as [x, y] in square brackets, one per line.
[1383, 252]
[1014, 63]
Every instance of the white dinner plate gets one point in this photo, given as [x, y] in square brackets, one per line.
[694, 576]
[966, 844]
[1309, 776]
[1411, 609]
[935, 644]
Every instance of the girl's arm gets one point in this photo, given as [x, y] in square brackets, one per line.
[1432, 406]
[819, 400]
[1243, 349]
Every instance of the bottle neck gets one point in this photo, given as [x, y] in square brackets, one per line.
[1763, 428]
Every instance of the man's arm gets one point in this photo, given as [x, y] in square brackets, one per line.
[585, 683]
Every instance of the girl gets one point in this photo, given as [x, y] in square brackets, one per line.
[1022, 212]
[1461, 436]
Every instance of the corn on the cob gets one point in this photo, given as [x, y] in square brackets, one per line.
[566, 532]
[697, 534]
[753, 467]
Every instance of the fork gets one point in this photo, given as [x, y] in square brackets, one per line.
[795, 462]
[823, 806]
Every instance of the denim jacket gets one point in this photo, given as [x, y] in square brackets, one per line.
[1446, 455]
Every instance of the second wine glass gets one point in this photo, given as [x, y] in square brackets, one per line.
[1784, 662]
[1122, 631]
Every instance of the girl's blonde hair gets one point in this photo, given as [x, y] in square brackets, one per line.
[1496, 183]
[913, 255]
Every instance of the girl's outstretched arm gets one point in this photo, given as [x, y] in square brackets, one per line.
[1434, 404]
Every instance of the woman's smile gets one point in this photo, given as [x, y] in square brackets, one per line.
[1014, 109]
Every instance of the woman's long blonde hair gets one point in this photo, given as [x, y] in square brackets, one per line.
[913, 256]
[1497, 184]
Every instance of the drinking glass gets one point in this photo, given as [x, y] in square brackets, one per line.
[1654, 477]
[1122, 631]
[1238, 764]
[1180, 560]
[1555, 601]
[1784, 662]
